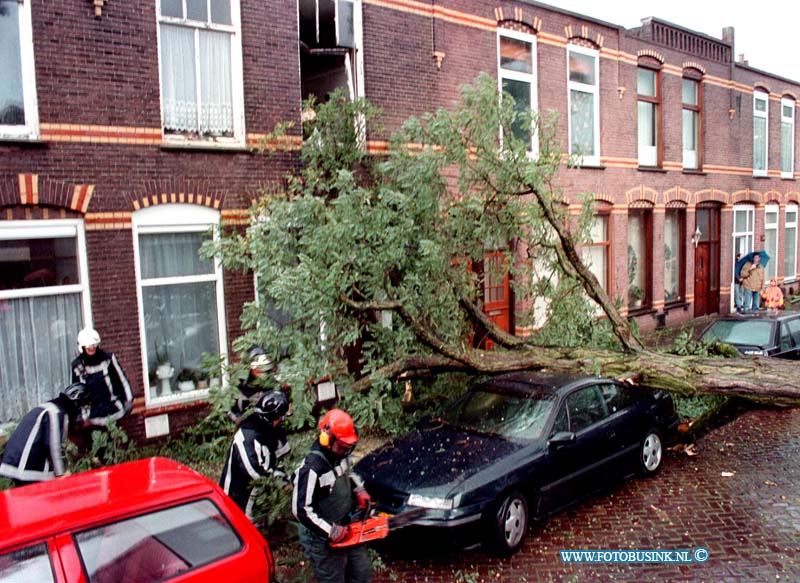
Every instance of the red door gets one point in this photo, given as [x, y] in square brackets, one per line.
[706, 261]
[496, 303]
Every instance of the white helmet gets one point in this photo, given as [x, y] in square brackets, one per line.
[88, 337]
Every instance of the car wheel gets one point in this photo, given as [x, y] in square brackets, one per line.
[651, 453]
[507, 524]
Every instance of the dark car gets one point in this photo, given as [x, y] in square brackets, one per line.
[517, 444]
[758, 334]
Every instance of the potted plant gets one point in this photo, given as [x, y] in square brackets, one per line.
[186, 379]
[635, 296]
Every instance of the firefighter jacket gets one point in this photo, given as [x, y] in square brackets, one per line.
[323, 487]
[109, 389]
[33, 452]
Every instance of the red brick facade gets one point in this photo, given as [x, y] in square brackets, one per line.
[100, 153]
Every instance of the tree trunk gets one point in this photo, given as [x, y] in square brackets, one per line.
[767, 380]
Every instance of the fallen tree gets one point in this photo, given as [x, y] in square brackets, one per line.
[370, 269]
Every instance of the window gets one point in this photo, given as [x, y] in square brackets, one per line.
[584, 107]
[586, 407]
[156, 546]
[787, 138]
[19, 117]
[595, 254]
[201, 70]
[691, 124]
[28, 564]
[639, 258]
[649, 101]
[760, 115]
[517, 77]
[771, 240]
[180, 298]
[617, 397]
[44, 302]
[674, 235]
[790, 243]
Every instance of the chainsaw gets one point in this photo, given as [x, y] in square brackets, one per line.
[377, 526]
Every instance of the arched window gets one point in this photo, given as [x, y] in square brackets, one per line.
[760, 132]
[787, 137]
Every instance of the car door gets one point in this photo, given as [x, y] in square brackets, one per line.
[789, 339]
[575, 469]
[626, 420]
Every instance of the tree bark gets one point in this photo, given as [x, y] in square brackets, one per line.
[767, 380]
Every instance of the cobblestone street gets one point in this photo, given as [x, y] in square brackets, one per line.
[739, 498]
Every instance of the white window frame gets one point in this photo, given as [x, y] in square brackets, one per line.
[594, 90]
[786, 102]
[691, 158]
[791, 208]
[237, 85]
[47, 229]
[648, 155]
[530, 78]
[29, 131]
[759, 95]
[176, 218]
[748, 234]
[772, 210]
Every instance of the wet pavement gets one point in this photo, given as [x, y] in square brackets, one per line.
[739, 498]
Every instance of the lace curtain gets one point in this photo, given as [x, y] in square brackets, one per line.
[37, 344]
[186, 52]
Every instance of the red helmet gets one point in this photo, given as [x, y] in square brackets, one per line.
[339, 425]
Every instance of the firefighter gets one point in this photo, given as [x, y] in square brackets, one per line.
[326, 492]
[33, 452]
[257, 447]
[110, 391]
[253, 387]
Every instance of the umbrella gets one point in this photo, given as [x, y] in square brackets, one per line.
[749, 258]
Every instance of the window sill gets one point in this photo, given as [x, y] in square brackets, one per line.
[694, 171]
[177, 402]
[789, 178]
[676, 305]
[762, 176]
[641, 312]
[651, 169]
[203, 146]
[590, 166]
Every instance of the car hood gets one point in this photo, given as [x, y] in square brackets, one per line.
[434, 460]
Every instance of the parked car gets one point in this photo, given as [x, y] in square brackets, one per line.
[518, 444]
[138, 522]
[758, 333]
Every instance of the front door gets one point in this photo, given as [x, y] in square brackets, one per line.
[706, 261]
[496, 302]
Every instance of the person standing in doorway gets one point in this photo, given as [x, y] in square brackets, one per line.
[737, 287]
[752, 277]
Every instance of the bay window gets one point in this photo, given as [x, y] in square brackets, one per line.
[760, 132]
[19, 117]
[517, 77]
[180, 299]
[639, 258]
[201, 70]
[44, 302]
[584, 107]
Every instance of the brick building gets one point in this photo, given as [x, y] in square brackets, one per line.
[126, 131]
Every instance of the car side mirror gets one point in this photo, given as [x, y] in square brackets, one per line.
[561, 438]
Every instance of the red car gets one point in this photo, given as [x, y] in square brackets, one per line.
[140, 522]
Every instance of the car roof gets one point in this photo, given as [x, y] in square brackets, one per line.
[36, 511]
[550, 382]
[775, 315]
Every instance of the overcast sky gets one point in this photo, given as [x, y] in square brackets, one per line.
[767, 36]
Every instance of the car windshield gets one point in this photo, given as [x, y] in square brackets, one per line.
[751, 332]
[508, 414]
